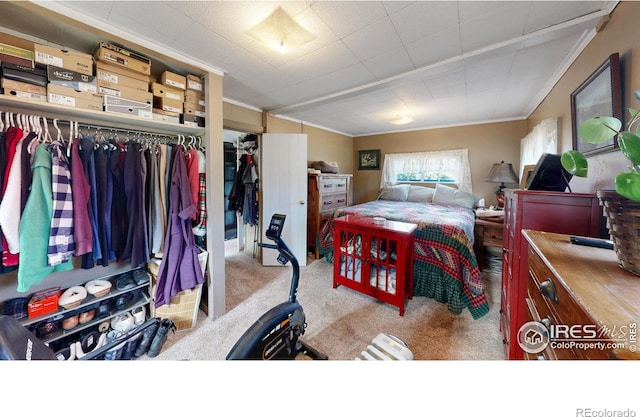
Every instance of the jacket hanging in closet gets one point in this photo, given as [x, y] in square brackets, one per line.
[135, 172]
[35, 225]
[179, 269]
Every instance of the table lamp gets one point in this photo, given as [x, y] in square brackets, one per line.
[502, 172]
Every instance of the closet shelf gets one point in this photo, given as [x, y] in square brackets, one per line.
[17, 105]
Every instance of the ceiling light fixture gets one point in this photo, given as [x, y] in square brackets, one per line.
[280, 32]
[402, 120]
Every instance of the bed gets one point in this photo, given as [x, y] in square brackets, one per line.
[445, 266]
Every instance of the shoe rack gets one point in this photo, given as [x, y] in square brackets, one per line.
[48, 327]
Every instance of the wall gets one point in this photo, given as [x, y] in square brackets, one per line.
[322, 145]
[487, 144]
[619, 35]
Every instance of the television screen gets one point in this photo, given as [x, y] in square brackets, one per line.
[549, 175]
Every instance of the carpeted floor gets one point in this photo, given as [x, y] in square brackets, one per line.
[341, 322]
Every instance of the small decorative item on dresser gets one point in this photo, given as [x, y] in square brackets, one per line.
[623, 222]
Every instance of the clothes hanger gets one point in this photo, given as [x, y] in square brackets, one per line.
[1, 123]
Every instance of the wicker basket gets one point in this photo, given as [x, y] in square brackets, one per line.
[623, 222]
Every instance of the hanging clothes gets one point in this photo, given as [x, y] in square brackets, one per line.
[179, 269]
[10, 206]
[12, 136]
[119, 218]
[36, 225]
[86, 155]
[156, 216]
[193, 174]
[135, 170]
[104, 196]
[250, 205]
[200, 228]
[81, 192]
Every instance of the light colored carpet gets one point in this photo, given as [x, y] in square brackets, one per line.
[341, 322]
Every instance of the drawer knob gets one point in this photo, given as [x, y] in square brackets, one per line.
[548, 289]
[546, 322]
[505, 250]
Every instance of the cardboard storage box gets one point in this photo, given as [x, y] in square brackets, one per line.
[161, 90]
[167, 104]
[194, 97]
[43, 302]
[122, 57]
[122, 76]
[194, 83]
[166, 116]
[13, 85]
[72, 79]
[108, 89]
[16, 50]
[174, 80]
[66, 96]
[23, 95]
[195, 110]
[67, 59]
[124, 106]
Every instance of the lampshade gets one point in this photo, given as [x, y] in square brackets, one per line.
[502, 173]
[280, 32]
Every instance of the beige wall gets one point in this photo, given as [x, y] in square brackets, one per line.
[487, 144]
[322, 145]
[620, 35]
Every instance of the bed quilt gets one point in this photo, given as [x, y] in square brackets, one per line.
[445, 267]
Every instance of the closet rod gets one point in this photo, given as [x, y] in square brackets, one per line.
[67, 122]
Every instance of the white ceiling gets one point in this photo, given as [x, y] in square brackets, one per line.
[444, 63]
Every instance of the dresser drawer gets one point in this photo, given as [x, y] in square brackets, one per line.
[492, 237]
[333, 185]
[333, 201]
[575, 330]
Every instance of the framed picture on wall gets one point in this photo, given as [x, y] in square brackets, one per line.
[599, 95]
[369, 159]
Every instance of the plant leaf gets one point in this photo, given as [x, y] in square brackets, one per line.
[628, 185]
[630, 146]
[575, 163]
[599, 129]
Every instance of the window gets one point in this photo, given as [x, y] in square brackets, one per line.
[542, 139]
[448, 167]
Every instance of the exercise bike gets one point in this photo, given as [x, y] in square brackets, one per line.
[276, 334]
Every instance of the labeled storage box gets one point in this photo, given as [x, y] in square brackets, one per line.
[194, 97]
[120, 56]
[67, 59]
[184, 306]
[66, 96]
[194, 83]
[174, 80]
[167, 104]
[124, 106]
[16, 50]
[166, 116]
[72, 79]
[121, 76]
[165, 91]
[43, 302]
[192, 120]
[115, 90]
[13, 85]
[195, 110]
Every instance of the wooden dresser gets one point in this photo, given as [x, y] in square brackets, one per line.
[588, 305]
[326, 193]
[569, 213]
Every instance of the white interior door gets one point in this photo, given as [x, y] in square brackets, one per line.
[283, 178]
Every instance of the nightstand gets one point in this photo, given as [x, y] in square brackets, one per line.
[487, 233]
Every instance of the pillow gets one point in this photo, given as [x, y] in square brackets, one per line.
[449, 195]
[419, 194]
[326, 167]
[398, 192]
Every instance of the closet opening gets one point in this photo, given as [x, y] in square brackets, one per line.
[240, 215]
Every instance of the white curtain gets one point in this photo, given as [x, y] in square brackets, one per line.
[422, 166]
[542, 139]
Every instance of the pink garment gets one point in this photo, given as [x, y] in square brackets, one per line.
[194, 177]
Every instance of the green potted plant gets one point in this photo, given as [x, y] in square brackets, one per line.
[600, 129]
[622, 206]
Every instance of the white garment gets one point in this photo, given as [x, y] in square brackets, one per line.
[10, 206]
